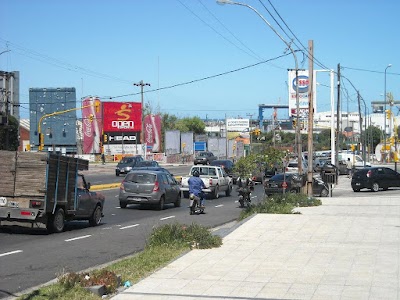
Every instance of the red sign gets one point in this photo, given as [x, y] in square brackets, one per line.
[122, 116]
[152, 132]
[91, 125]
[284, 185]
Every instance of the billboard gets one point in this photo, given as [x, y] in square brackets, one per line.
[54, 109]
[119, 138]
[152, 132]
[92, 126]
[303, 81]
[237, 124]
[122, 116]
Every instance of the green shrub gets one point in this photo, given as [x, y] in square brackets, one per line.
[280, 204]
[193, 236]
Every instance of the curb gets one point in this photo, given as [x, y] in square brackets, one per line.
[107, 186]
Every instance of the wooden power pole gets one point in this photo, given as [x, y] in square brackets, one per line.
[310, 118]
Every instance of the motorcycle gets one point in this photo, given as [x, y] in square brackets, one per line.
[194, 205]
[245, 194]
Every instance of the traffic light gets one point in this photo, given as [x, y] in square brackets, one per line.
[391, 139]
[105, 138]
[294, 123]
[91, 117]
[388, 114]
[353, 147]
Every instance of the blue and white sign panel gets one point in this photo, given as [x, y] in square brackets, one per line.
[303, 82]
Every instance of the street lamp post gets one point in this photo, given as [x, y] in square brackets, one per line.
[298, 137]
[384, 112]
[141, 84]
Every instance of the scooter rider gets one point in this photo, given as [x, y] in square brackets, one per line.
[196, 185]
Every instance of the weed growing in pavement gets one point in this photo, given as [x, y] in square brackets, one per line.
[165, 243]
[280, 204]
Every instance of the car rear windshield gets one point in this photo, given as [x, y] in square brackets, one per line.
[141, 178]
[205, 171]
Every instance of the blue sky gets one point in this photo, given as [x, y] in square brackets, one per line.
[102, 47]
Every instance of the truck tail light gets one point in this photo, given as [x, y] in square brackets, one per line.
[36, 204]
[210, 181]
[156, 187]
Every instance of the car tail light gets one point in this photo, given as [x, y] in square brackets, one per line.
[210, 181]
[122, 187]
[287, 169]
[254, 178]
[369, 173]
[156, 186]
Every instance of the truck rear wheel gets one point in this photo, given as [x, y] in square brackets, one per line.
[95, 219]
[56, 222]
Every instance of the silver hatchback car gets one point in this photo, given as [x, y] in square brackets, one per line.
[155, 187]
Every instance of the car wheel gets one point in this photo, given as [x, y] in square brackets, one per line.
[228, 191]
[95, 219]
[160, 205]
[207, 162]
[324, 193]
[216, 192]
[177, 203]
[375, 187]
[123, 204]
[56, 222]
[356, 190]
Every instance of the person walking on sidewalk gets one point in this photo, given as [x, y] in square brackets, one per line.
[349, 167]
[196, 185]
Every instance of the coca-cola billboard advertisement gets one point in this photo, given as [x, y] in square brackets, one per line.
[91, 125]
[122, 116]
[152, 132]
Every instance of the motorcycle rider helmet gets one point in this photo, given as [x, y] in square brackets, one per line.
[196, 173]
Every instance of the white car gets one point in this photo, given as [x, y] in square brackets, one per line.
[293, 167]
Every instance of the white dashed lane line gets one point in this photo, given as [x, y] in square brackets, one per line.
[11, 252]
[78, 238]
[129, 226]
[166, 218]
[220, 205]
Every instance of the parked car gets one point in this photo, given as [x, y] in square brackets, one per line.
[294, 182]
[293, 166]
[149, 187]
[204, 158]
[375, 178]
[227, 165]
[126, 164]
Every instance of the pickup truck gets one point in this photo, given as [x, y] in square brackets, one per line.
[215, 179]
[46, 188]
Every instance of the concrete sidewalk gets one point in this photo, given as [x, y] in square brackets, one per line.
[348, 248]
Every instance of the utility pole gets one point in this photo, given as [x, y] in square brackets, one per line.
[310, 117]
[359, 118]
[142, 85]
[251, 138]
[338, 116]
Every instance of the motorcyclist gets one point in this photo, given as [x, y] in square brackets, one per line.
[195, 187]
[245, 188]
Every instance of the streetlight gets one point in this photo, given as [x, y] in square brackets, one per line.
[384, 112]
[4, 51]
[298, 137]
[141, 84]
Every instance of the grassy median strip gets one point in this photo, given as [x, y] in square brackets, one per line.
[166, 243]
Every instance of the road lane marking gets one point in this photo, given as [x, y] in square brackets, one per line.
[219, 205]
[78, 238]
[11, 252]
[166, 218]
[129, 226]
